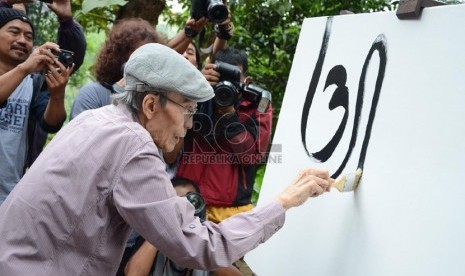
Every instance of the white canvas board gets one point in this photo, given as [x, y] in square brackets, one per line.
[408, 215]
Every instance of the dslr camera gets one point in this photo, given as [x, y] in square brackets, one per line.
[65, 57]
[214, 10]
[229, 87]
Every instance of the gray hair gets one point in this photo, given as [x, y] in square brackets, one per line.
[133, 99]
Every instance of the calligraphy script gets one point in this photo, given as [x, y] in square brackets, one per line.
[338, 76]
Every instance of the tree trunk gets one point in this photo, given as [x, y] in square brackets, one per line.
[146, 9]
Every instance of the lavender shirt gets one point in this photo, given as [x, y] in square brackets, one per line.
[102, 174]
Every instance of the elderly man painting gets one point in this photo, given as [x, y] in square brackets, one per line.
[103, 173]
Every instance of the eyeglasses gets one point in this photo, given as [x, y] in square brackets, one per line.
[187, 111]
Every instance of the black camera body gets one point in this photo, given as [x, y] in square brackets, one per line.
[65, 57]
[214, 10]
[227, 88]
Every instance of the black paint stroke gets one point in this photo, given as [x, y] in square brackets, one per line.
[338, 77]
[380, 46]
[314, 83]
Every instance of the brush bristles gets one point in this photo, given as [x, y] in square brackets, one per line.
[340, 182]
[348, 182]
[358, 175]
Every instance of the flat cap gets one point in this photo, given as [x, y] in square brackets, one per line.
[155, 67]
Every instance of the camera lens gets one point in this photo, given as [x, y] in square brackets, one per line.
[225, 94]
[195, 202]
[199, 204]
[66, 60]
[65, 57]
[217, 11]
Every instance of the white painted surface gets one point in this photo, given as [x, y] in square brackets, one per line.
[408, 215]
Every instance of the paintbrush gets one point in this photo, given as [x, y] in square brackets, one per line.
[348, 182]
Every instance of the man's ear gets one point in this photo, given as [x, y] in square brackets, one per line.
[247, 80]
[150, 105]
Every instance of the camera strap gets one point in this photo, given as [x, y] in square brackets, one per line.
[37, 82]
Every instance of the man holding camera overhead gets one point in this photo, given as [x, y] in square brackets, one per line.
[20, 107]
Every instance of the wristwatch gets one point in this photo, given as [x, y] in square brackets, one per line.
[190, 32]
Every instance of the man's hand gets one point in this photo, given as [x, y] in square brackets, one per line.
[62, 8]
[225, 29]
[57, 78]
[39, 58]
[211, 74]
[197, 25]
[309, 183]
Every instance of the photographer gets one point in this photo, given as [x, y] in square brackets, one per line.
[22, 105]
[239, 130]
[70, 37]
[70, 34]
[229, 138]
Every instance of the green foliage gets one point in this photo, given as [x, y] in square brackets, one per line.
[88, 5]
[85, 74]
[45, 23]
[258, 184]
[95, 16]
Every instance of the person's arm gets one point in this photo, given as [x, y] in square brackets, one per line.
[10, 80]
[218, 45]
[181, 41]
[145, 199]
[142, 261]
[224, 32]
[70, 34]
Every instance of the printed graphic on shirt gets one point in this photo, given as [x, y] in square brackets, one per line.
[13, 117]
